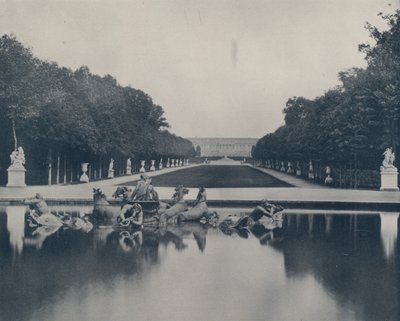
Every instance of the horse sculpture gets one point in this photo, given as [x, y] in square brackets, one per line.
[199, 210]
[129, 214]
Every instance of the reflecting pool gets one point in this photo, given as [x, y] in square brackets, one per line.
[314, 266]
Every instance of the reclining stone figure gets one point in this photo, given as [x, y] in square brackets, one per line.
[266, 213]
[39, 213]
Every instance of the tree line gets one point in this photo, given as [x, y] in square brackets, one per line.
[352, 124]
[73, 116]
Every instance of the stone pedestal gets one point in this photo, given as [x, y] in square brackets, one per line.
[110, 173]
[153, 167]
[16, 177]
[389, 180]
[84, 177]
[142, 169]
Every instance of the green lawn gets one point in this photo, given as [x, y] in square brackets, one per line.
[216, 176]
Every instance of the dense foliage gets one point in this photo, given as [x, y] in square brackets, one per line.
[52, 111]
[349, 125]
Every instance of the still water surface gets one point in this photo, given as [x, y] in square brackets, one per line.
[318, 266]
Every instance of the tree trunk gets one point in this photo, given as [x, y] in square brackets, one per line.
[50, 166]
[14, 134]
[58, 168]
[71, 179]
[355, 172]
[65, 169]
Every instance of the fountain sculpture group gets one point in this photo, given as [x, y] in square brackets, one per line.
[389, 173]
[16, 171]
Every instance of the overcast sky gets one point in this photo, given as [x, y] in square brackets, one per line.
[218, 68]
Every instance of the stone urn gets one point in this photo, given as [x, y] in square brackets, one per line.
[142, 164]
[153, 167]
[84, 177]
[328, 179]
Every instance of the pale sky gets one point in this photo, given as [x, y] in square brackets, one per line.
[218, 68]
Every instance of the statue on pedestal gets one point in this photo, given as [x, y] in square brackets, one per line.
[160, 166]
[298, 169]
[310, 171]
[16, 170]
[282, 166]
[389, 174]
[168, 165]
[290, 169]
[111, 169]
[129, 166]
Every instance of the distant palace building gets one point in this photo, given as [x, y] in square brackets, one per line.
[211, 146]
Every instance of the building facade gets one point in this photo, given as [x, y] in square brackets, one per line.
[210, 146]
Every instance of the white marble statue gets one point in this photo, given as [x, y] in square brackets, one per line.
[129, 166]
[389, 174]
[310, 171]
[388, 161]
[111, 165]
[111, 169]
[17, 158]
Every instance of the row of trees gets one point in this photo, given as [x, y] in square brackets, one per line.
[52, 111]
[352, 124]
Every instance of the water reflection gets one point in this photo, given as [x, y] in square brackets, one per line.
[15, 226]
[389, 232]
[328, 266]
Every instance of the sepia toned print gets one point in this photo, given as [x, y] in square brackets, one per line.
[199, 160]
